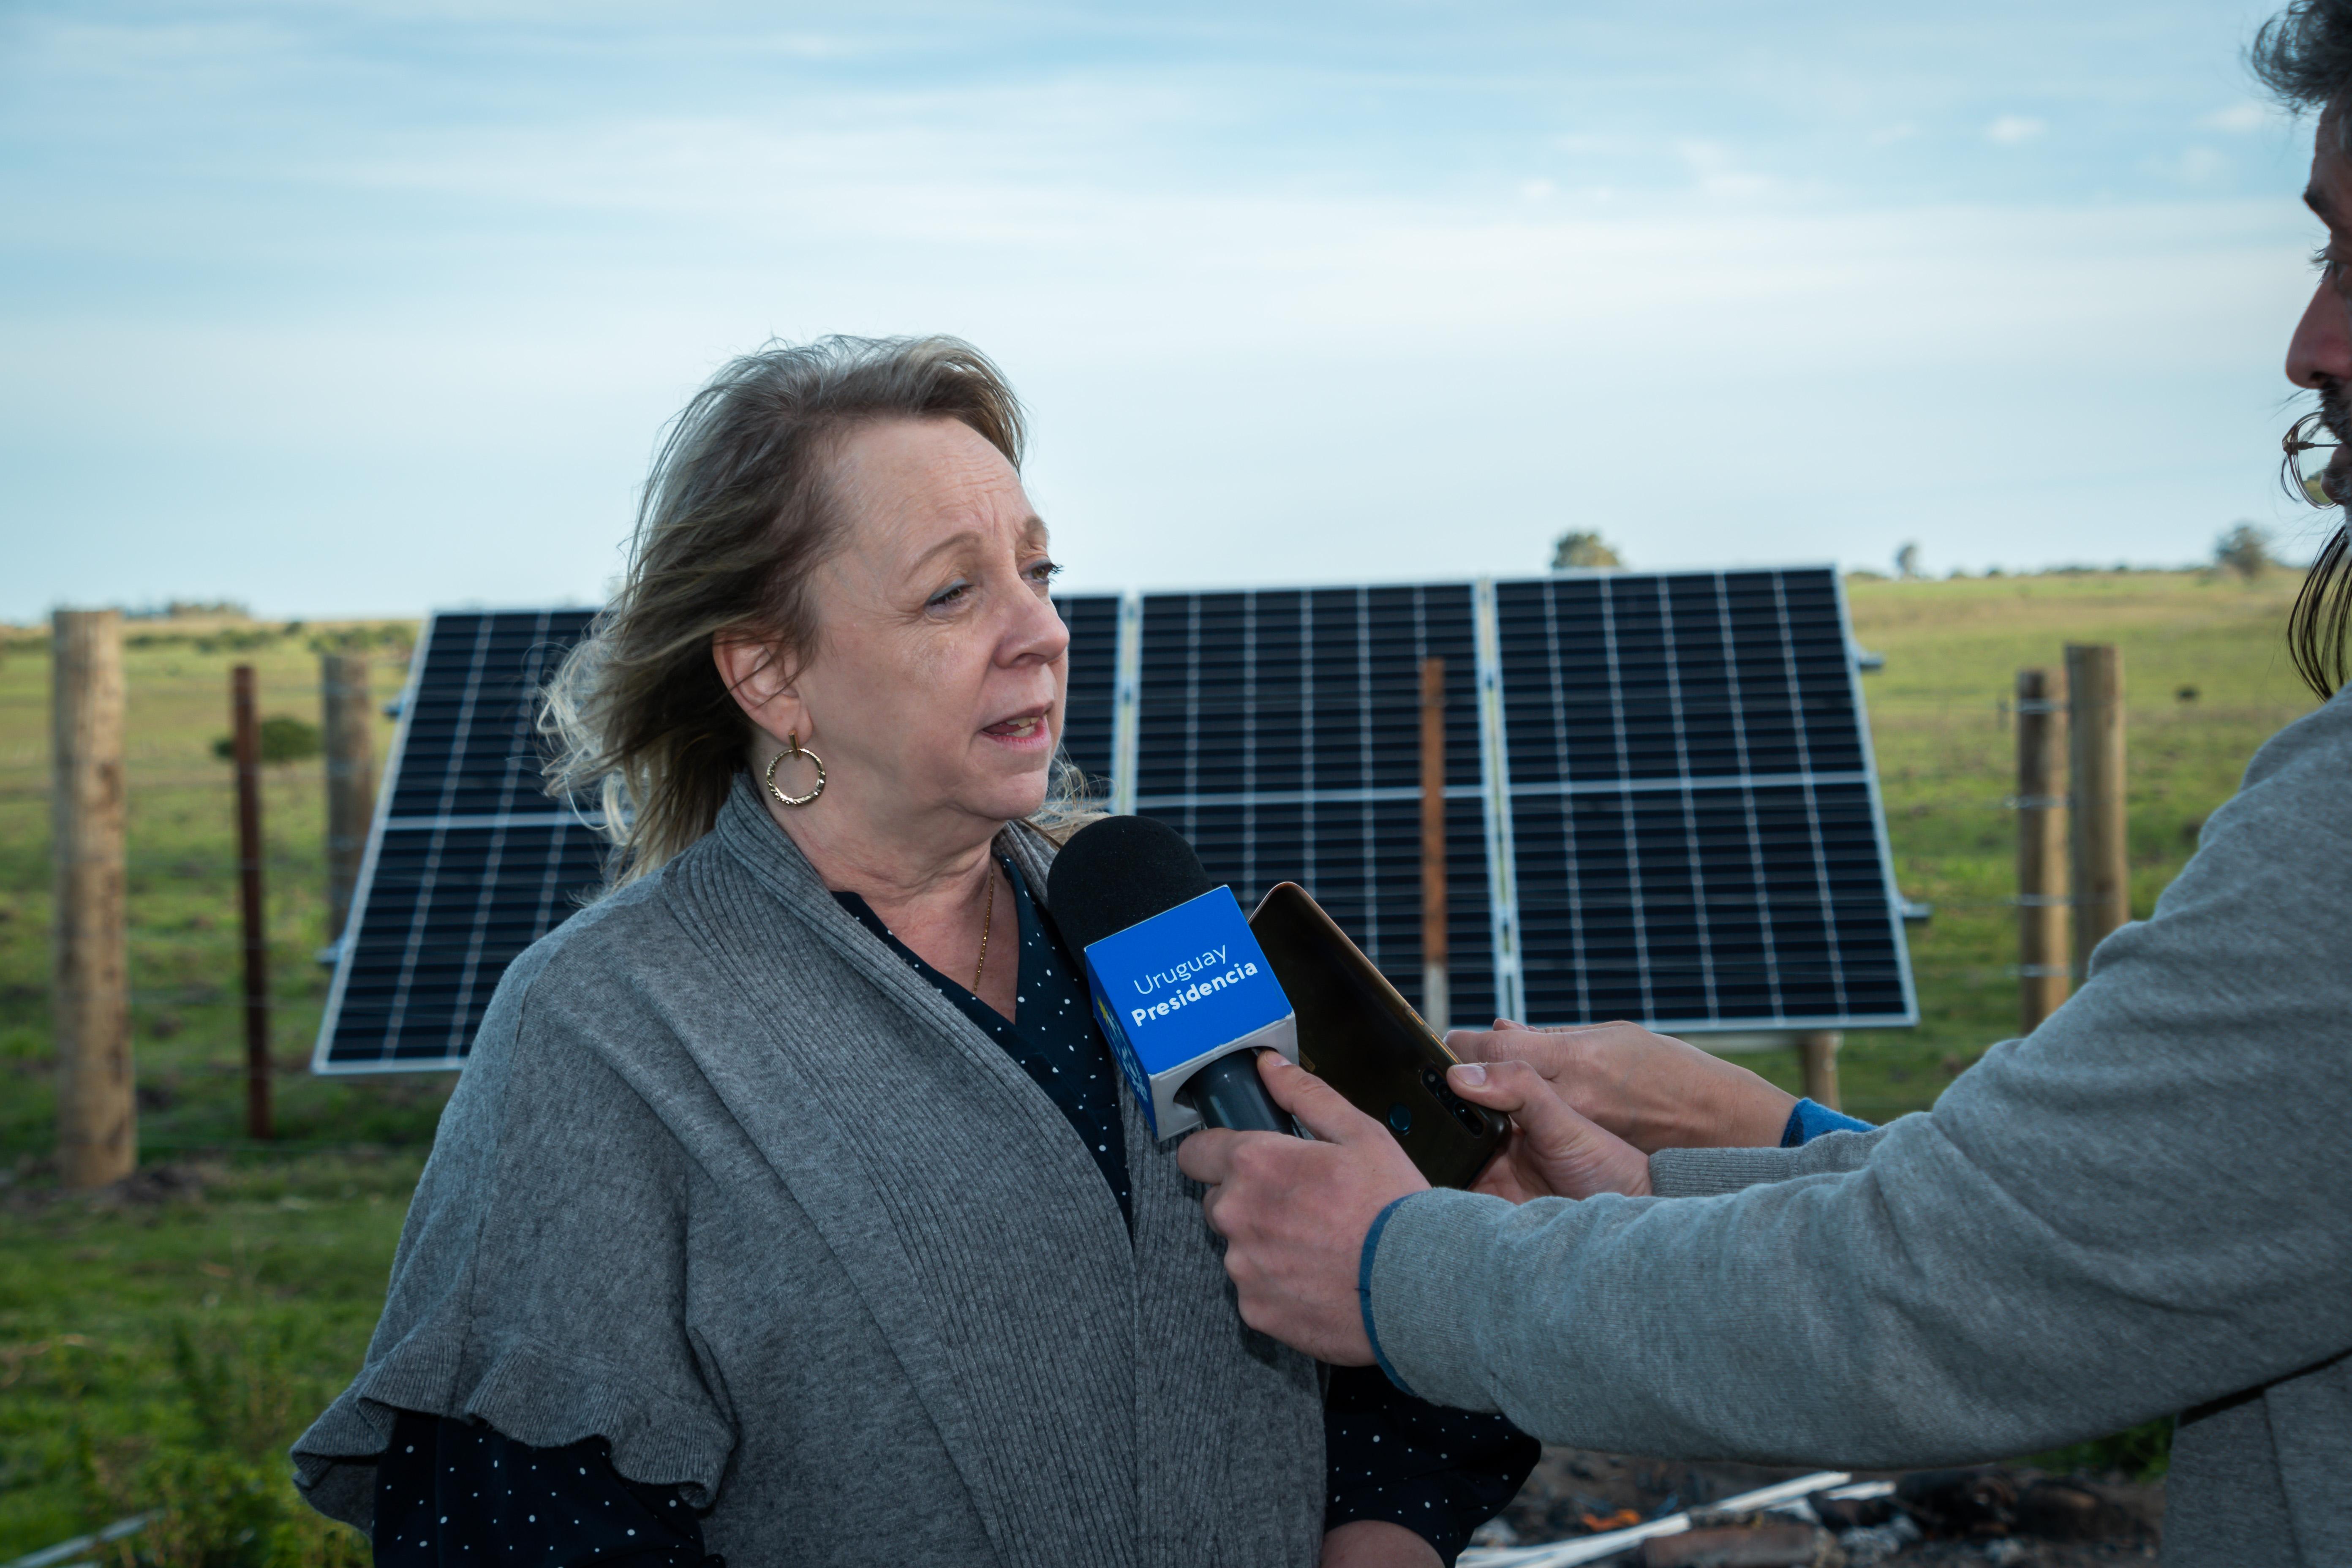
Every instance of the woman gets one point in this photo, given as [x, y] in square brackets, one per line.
[790, 1208]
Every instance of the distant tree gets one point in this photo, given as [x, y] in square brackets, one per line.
[1906, 561]
[285, 740]
[1588, 551]
[2245, 550]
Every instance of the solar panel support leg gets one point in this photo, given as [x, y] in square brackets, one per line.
[1817, 1052]
[98, 1133]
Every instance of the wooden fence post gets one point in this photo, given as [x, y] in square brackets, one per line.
[2045, 952]
[349, 724]
[1817, 1052]
[2102, 866]
[98, 1130]
[1436, 1000]
[253, 914]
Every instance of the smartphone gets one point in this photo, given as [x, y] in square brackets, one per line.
[1358, 1034]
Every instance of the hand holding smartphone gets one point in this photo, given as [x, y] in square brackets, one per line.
[1360, 1036]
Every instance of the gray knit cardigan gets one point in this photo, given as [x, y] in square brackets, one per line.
[727, 1183]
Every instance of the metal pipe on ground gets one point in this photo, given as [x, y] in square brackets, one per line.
[49, 1555]
[1609, 1544]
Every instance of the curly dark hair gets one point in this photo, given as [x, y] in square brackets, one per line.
[2304, 54]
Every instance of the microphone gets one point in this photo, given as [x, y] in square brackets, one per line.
[1180, 987]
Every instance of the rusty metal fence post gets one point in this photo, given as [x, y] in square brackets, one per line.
[251, 909]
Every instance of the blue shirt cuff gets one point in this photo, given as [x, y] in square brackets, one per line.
[1364, 1289]
[1808, 1121]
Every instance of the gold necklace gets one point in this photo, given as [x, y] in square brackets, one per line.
[987, 922]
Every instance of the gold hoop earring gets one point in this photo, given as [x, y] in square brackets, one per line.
[792, 748]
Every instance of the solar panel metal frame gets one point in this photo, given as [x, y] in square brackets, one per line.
[1122, 616]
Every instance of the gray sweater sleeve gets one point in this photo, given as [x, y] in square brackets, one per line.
[542, 1277]
[2141, 1207]
[1703, 1173]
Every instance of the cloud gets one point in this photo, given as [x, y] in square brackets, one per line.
[2193, 166]
[2237, 119]
[2015, 130]
[1716, 173]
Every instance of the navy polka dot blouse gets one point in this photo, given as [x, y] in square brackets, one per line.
[450, 1492]
[454, 1495]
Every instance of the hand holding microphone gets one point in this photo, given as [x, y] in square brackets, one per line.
[1203, 1034]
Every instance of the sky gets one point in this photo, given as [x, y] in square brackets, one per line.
[343, 307]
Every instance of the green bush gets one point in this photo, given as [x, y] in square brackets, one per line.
[220, 1511]
[284, 739]
[211, 1510]
[2142, 1454]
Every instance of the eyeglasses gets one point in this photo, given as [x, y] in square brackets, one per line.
[2310, 447]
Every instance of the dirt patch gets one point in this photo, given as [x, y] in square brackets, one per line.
[1988, 1514]
[29, 1187]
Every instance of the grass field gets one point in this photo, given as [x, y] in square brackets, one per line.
[215, 1313]
[1947, 758]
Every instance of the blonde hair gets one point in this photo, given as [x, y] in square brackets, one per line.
[735, 519]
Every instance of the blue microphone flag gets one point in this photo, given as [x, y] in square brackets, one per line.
[1176, 992]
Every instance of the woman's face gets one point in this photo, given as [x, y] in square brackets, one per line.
[936, 684]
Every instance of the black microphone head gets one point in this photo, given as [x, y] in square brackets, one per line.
[1118, 872]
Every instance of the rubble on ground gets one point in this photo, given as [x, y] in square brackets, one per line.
[2010, 1516]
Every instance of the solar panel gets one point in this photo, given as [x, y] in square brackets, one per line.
[468, 862]
[1660, 799]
